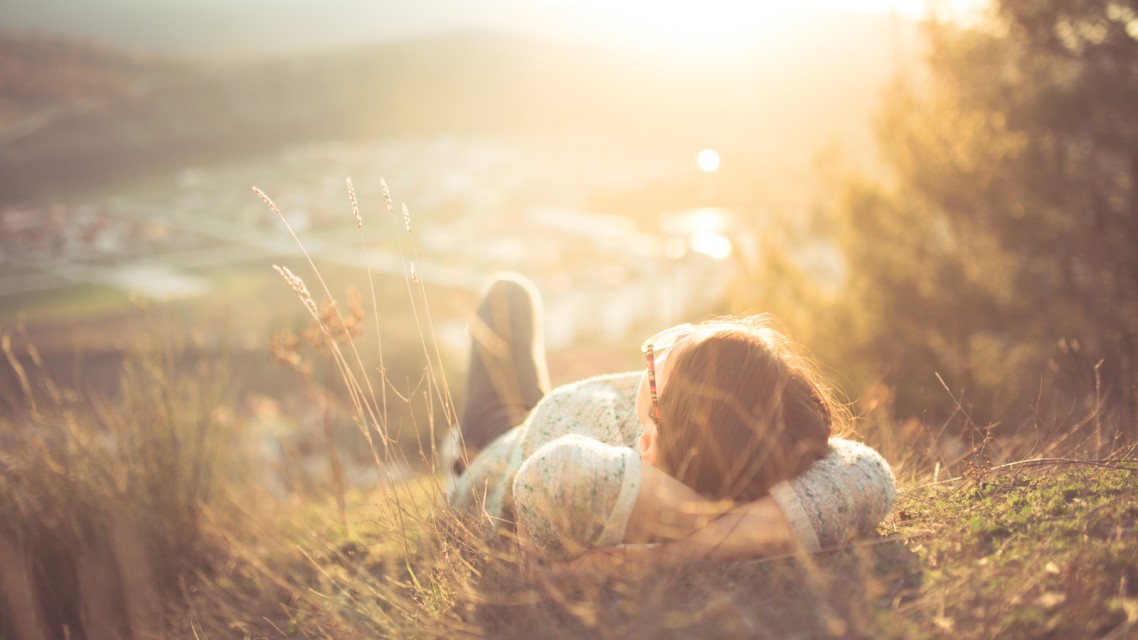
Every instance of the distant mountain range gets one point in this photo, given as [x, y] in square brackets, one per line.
[81, 114]
[227, 27]
[210, 27]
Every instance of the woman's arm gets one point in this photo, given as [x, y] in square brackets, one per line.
[847, 493]
[577, 494]
[843, 496]
[574, 494]
[670, 512]
[751, 530]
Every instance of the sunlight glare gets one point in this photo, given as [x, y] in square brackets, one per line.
[684, 27]
[708, 161]
[713, 245]
[697, 30]
[705, 230]
[915, 9]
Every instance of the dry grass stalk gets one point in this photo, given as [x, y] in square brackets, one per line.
[100, 503]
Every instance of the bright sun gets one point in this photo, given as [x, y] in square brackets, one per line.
[707, 160]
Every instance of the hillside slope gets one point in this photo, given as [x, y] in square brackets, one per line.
[135, 115]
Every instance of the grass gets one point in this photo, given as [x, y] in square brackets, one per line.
[82, 300]
[1045, 552]
[102, 501]
[147, 517]
[1040, 552]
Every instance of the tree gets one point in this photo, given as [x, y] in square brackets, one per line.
[1005, 256]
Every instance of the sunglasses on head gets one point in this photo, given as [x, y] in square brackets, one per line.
[659, 343]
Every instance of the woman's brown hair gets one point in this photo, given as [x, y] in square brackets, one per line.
[742, 410]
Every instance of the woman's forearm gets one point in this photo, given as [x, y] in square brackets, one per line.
[686, 524]
[667, 509]
[750, 530]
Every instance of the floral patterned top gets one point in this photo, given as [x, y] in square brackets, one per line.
[570, 473]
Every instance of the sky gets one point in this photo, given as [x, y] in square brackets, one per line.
[281, 26]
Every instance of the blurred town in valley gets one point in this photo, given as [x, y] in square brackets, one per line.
[125, 169]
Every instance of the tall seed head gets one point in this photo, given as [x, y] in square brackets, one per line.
[355, 204]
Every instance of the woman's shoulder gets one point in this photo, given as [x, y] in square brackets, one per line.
[595, 397]
[597, 407]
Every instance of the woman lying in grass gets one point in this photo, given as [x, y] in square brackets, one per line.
[721, 448]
